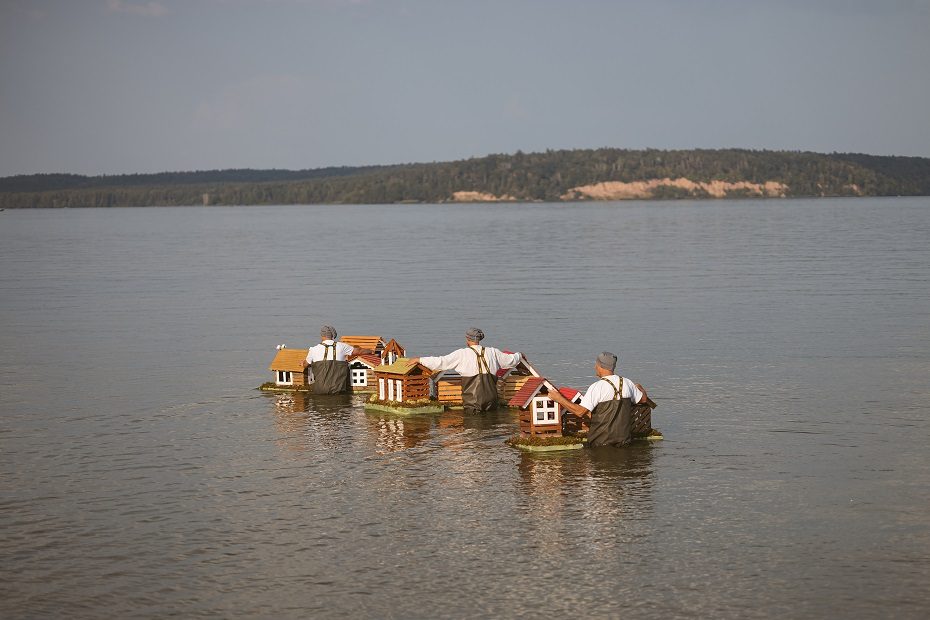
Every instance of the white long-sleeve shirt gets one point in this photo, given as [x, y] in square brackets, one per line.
[465, 362]
[317, 353]
[600, 392]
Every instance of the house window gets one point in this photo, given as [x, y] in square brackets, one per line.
[390, 390]
[400, 391]
[359, 376]
[284, 377]
[381, 393]
[545, 411]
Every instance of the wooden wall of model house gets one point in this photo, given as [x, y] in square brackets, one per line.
[508, 387]
[410, 387]
[449, 390]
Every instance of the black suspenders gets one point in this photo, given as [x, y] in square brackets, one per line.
[617, 393]
[482, 360]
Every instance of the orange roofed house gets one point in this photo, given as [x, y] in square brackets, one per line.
[290, 368]
[373, 343]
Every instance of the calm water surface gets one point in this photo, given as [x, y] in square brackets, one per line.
[786, 342]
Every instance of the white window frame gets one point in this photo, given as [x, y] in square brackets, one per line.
[545, 406]
[381, 394]
[358, 376]
[284, 377]
[400, 391]
[390, 389]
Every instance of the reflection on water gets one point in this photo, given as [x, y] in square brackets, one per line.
[396, 432]
[602, 483]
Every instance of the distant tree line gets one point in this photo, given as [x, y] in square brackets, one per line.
[524, 176]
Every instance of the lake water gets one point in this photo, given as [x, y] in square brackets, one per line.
[787, 344]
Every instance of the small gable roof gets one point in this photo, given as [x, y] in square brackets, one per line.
[570, 393]
[293, 360]
[403, 366]
[526, 393]
[394, 347]
[523, 365]
[364, 342]
[370, 360]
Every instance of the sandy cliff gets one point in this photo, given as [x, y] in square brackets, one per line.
[619, 190]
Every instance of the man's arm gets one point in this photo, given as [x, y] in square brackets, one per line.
[575, 408]
[644, 398]
[444, 362]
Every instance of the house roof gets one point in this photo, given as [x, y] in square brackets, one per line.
[403, 366]
[570, 393]
[526, 393]
[290, 359]
[364, 342]
[523, 365]
[370, 360]
[394, 347]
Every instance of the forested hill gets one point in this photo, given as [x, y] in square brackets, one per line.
[602, 174]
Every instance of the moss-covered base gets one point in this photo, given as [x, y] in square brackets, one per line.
[552, 448]
[403, 409]
[273, 387]
[541, 443]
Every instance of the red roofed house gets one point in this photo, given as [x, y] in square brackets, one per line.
[290, 367]
[573, 423]
[361, 372]
[539, 414]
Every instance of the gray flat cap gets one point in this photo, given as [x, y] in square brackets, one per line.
[474, 334]
[607, 361]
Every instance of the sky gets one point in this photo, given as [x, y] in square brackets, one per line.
[122, 86]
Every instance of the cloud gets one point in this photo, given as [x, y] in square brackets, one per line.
[148, 9]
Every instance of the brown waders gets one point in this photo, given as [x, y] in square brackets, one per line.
[611, 420]
[479, 393]
[330, 376]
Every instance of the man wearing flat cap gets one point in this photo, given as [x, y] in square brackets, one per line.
[328, 362]
[609, 401]
[478, 366]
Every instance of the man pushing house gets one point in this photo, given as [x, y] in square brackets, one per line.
[478, 366]
[329, 364]
[609, 401]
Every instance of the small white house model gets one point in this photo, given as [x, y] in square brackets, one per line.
[540, 415]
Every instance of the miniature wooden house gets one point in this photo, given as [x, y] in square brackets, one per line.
[510, 380]
[573, 423]
[539, 414]
[391, 352]
[372, 343]
[447, 387]
[362, 372]
[403, 381]
[290, 367]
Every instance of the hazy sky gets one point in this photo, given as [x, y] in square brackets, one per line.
[115, 86]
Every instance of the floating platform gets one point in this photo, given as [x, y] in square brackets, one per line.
[542, 443]
[271, 387]
[403, 410]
